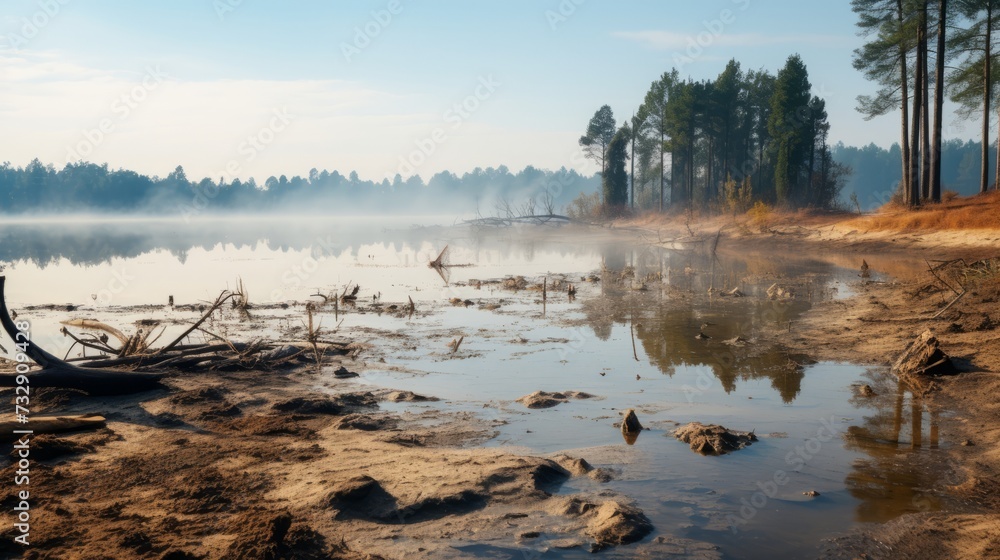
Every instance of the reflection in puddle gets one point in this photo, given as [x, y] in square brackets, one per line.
[897, 475]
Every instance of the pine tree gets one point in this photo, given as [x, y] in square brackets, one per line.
[888, 24]
[789, 129]
[615, 180]
[974, 84]
[600, 131]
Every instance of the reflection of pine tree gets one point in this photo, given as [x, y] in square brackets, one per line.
[895, 477]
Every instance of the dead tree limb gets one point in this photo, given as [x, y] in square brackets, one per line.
[57, 373]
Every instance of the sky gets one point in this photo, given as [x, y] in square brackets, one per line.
[241, 88]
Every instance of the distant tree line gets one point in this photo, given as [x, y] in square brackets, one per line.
[88, 187]
[877, 173]
[903, 38]
[719, 144]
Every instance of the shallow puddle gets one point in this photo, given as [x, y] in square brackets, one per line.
[650, 329]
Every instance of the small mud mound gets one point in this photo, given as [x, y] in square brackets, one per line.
[310, 405]
[364, 497]
[615, 523]
[541, 399]
[329, 405]
[367, 423]
[576, 466]
[222, 410]
[275, 536]
[259, 425]
[46, 447]
[199, 396]
[408, 396]
[713, 439]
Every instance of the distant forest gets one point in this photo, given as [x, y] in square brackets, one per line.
[877, 171]
[86, 187]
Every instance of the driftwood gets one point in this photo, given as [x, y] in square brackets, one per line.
[540, 219]
[57, 373]
[52, 425]
[90, 373]
[923, 358]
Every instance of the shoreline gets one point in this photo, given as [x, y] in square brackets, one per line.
[248, 461]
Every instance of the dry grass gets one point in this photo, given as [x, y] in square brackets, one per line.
[974, 212]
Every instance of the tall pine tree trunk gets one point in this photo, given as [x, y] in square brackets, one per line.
[904, 127]
[918, 90]
[631, 171]
[987, 91]
[938, 101]
[662, 171]
[925, 120]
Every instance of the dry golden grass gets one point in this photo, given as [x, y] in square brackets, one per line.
[974, 212]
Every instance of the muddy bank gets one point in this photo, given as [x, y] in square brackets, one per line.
[246, 466]
[878, 325]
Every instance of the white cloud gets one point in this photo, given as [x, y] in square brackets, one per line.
[56, 111]
[670, 40]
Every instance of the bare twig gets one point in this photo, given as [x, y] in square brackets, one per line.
[223, 298]
[947, 307]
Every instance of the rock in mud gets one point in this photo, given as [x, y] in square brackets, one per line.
[923, 358]
[344, 373]
[867, 391]
[713, 439]
[779, 292]
[515, 283]
[630, 423]
[615, 523]
[542, 399]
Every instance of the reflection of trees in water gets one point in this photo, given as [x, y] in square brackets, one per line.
[898, 475]
[673, 311]
[90, 243]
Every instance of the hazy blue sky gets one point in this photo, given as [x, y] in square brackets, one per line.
[255, 87]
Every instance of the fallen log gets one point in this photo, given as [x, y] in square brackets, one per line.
[52, 425]
[923, 358]
[57, 373]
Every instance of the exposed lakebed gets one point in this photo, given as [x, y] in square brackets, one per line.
[649, 329]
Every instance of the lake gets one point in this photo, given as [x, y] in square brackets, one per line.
[649, 329]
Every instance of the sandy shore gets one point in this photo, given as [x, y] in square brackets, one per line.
[874, 327]
[241, 465]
